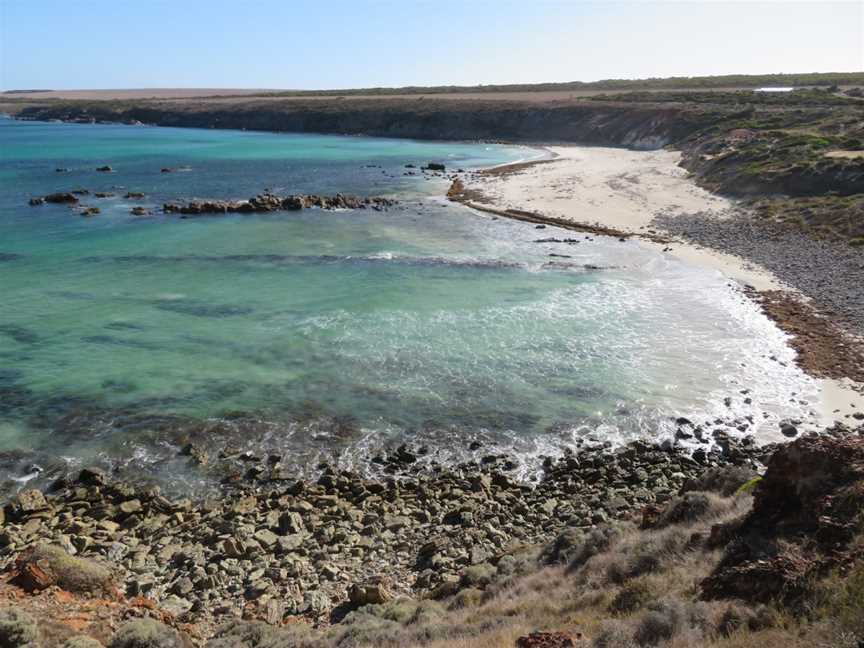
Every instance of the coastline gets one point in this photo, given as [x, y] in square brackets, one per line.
[280, 550]
[560, 190]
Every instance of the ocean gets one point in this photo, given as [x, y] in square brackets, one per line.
[330, 335]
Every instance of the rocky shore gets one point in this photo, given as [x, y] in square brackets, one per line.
[277, 550]
[271, 546]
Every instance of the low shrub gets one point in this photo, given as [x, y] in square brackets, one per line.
[613, 635]
[663, 621]
[631, 597]
[582, 546]
[724, 480]
[17, 629]
[146, 633]
[82, 641]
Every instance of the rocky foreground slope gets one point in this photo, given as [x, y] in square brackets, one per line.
[639, 547]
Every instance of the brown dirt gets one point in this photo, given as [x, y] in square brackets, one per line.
[61, 615]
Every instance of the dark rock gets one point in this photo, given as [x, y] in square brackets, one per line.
[61, 197]
[803, 519]
[92, 477]
[788, 430]
[105, 169]
[546, 640]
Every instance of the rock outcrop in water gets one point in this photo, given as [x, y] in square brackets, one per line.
[271, 203]
[260, 204]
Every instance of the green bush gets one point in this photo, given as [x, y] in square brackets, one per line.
[17, 629]
[146, 633]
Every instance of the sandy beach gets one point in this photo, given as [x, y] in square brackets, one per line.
[624, 191]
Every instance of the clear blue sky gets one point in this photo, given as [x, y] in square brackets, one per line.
[65, 44]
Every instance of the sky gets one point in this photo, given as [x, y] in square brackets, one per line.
[314, 44]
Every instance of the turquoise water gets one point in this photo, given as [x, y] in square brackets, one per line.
[333, 333]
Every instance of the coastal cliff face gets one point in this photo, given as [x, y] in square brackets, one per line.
[609, 124]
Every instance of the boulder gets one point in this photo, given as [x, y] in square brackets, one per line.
[31, 500]
[92, 477]
[788, 430]
[34, 202]
[435, 166]
[806, 511]
[45, 566]
[372, 592]
[61, 197]
[105, 169]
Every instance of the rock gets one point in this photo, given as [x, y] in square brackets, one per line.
[31, 500]
[788, 430]
[139, 211]
[92, 477]
[17, 629]
[146, 633]
[61, 197]
[176, 606]
[274, 612]
[291, 522]
[105, 169]
[134, 195]
[271, 203]
[130, 506]
[45, 565]
[90, 211]
[266, 537]
[545, 640]
[316, 603]
[372, 592]
[434, 166]
[34, 202]
[800, 525]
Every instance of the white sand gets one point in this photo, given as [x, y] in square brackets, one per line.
[625, 190]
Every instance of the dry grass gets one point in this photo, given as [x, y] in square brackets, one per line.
[626, 588]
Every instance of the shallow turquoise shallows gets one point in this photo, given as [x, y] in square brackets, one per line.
[334, 333]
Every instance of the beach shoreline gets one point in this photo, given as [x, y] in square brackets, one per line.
[642, 186]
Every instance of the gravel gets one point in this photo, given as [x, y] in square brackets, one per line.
[829, 272]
